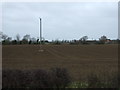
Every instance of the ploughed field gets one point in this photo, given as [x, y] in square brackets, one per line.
[79, 60]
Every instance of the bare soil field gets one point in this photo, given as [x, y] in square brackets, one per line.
[80, 60]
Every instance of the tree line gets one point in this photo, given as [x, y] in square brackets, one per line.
[27, 39]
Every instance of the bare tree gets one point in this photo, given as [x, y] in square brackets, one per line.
[33, 40]
[4, 36]
[1, 36]
[84, 39]
[103, 39]
[9, 39]
[26, 37]
[18, 37]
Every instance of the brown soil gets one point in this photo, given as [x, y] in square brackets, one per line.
[80, 60]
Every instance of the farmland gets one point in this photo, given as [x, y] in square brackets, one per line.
[79, 60]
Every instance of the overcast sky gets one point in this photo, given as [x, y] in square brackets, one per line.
[61, 20]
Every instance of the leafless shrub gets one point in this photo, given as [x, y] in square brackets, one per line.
[61, 77]
[107, 80]
[12, 79]
[56, 78]
[112, 80]
[42, 79]
[93, 81]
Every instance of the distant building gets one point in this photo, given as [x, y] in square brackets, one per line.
[108, 41]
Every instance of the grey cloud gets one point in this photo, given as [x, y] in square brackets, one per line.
[61, 20]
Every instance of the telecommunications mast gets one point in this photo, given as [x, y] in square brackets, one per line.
[40, 35]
